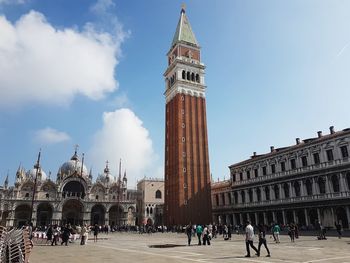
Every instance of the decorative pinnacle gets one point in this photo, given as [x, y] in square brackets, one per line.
[183, 7]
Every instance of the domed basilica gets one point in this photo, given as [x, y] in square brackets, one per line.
[73, 198]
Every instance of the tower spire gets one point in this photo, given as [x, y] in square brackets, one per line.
[6, 184]
[184, 31]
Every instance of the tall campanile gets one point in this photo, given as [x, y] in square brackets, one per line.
[187, 174]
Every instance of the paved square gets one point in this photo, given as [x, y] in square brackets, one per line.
[131, 247]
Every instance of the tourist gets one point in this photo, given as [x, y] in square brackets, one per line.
[229, 231]
[65, 235]
[96, 229]
[49, 233]
[262, 240]
[199, 231]
[291, 232]
[189, 233]
[206, 239]
[56, 234]
[276, 232]
[83, 235]
[338, 228]
[249, 238]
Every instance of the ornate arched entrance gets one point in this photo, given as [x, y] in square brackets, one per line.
[98, 215]
[115, 215]
[22, 215]
[72, 212]
[44, 214]
[74, 189]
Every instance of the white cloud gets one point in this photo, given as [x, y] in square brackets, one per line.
[40, 63]
[50, 136]
[13, 2]
[123, 136]
[102, 6]
[120, 101]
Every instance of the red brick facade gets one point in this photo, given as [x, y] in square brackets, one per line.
[187, 175]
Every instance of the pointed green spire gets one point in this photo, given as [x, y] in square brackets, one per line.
[184, 31]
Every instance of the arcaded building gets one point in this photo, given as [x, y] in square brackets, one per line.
[150, 202]
[72, 197]
[187, 174]
[303, 183]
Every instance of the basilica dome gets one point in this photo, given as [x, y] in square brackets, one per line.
[74, 165]
[30, 174]
[106, 177]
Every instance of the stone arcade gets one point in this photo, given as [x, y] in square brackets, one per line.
[72, 198]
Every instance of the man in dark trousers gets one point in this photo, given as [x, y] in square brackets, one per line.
[262, 240]
[189, 233]
[249, 238]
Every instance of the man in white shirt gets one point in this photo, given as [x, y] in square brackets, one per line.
[249, 238]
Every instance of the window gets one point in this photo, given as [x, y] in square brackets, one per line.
[292, 164]
[277, 191]
[316, 158]
[223, 198]
[258, 194]
[283, 166]
[229, 198]
[286, 190]
[250, 193]
[308, 184]
[151, 211]
[234, 177]
[322, 185]
[297, 188]
[344, 152]
[96, 197]
[267, 193]
[330, 155]
[241, 176]
[248, 174]
[183, 74]
[256, 172]
[235, 196]
[304, 161]
[27, 195]
[47, 195]
[217, 200]
[197, 78]
[335, 183]
[273, 168]
[264, 170]
[158, 194]
[243, 196]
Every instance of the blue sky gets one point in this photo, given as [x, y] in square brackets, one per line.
[91, 73]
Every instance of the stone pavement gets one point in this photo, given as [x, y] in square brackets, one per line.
[132, 247]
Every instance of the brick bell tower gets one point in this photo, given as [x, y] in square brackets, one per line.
[187, 174]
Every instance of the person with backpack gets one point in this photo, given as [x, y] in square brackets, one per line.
[199, 231]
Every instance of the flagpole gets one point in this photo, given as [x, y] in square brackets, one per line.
[37, 166]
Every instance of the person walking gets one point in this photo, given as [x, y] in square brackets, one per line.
[291, 232]
[338, 227]
[262, 240]
[199, 231]
[206, 239]
[189, 233]
[49, 233]
[83, 235]
[96, 229]
[276, 232]
[55, 237]
[249, 238]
